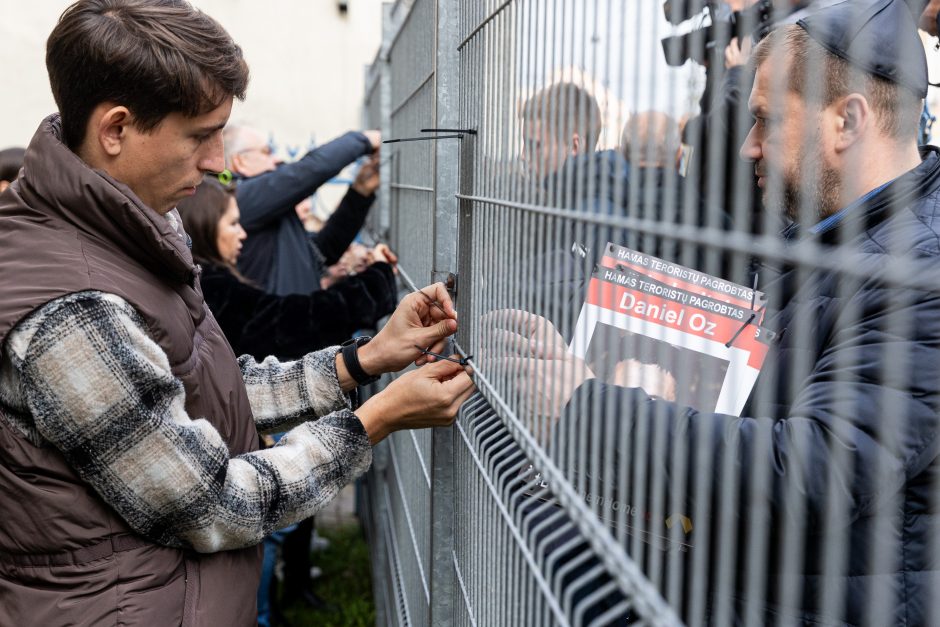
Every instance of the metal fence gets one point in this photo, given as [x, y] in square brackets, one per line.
[576, 487]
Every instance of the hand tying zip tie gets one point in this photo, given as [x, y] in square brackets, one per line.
[463, 361]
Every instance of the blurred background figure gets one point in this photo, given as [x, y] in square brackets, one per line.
[260, 323]
[305, 211]
[281, 255]
[561, 126]
[650, 144]
[650, 140]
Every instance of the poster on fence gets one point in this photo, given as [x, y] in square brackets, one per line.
[680, 334]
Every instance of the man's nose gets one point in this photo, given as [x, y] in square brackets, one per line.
[750, 149]
[213, 157]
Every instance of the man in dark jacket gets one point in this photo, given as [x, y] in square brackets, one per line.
[817, 505]
[279, 254]
[561, 127]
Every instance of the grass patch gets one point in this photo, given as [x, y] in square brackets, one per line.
[346, 584]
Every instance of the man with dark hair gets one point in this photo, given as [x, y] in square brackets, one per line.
[561, 127]
[279, 253]
[561, 121]
[131, 486]
[844, 426]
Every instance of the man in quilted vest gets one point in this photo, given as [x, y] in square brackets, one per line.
[131, 482]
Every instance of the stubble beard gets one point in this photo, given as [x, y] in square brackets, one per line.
[801, 204]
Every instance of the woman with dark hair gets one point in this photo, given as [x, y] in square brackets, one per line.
[261, 324]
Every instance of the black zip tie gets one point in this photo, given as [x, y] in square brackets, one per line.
[431, 301]
[739, 331]
[463, 361]
[463, 131]
[749, 320]
[421, 139]
[459, 133]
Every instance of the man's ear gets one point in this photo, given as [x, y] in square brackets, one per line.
[854, 117]
[577, 144]
[237, 163]
[111, 129]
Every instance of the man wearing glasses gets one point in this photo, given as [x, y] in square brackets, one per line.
[279, 254]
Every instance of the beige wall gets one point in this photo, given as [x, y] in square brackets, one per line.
[307, 64]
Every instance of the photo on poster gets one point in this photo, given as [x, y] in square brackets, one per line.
[662, 369]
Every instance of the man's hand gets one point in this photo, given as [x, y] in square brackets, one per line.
[535, 354]
[427, 397]
[738, 53]
[519, 333]
[382, 252]
[423, 319]
[547, 384]
[367, 179]
[740, 5]
[374, 137]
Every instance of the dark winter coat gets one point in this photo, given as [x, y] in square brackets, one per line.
[853, 356]
[595, 183]
[279, 254]
[261, 324]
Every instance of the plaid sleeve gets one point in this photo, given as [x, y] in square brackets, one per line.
[284, 394]
[101, 391]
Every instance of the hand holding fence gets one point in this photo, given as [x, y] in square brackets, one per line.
[427, 397]
[424, 318]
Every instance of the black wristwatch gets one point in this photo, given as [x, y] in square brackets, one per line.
[350, 352]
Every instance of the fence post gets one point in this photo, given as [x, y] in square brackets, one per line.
[443, 580]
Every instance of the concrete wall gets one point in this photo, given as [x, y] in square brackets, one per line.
[307, 62]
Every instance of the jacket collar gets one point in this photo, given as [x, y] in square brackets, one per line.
[896, 196]
[57, 183]
[779, 279]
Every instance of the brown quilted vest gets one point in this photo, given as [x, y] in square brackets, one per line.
[66, 557]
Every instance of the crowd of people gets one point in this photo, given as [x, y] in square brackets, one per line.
[845, 414]
[180, 354]
[179, 370]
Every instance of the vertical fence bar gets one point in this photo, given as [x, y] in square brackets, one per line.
[444, 599]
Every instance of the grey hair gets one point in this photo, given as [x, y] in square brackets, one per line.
[237, 138]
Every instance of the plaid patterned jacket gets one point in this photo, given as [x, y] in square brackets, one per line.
[81, 374]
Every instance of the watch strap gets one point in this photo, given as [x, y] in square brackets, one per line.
[350, 351]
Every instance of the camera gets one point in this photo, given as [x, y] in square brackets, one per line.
[698, 44]
[678, 11]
